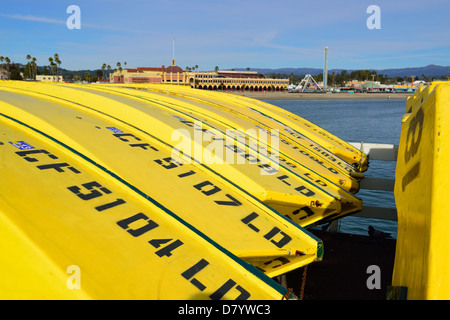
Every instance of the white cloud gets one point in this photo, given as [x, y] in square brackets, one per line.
[56, 21]
[32, 18]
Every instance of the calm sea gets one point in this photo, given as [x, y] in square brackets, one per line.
[370, 121]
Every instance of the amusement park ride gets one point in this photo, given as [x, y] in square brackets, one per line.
[308, 84]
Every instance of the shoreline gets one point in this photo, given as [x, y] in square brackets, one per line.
[323, 96]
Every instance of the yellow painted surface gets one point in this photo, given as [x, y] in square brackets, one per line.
[85, 187]
[299, 156]
[283, 118]
[61, 212]
[295, 150]
[301, 193]
[126, 188]
[415, 101]
[422, 263]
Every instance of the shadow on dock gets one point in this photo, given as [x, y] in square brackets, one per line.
[343, 274]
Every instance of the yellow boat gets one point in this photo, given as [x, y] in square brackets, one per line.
[296, 151]
[421, 194]
[111, 182]
[301, 165]
[324, 145]
[300, 194]
[83, 188]
[72, 230]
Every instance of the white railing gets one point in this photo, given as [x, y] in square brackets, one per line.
[385, 152]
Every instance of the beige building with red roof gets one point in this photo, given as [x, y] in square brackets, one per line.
[212, 80]
[172, 74]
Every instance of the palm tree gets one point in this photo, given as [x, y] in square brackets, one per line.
[103, 69]
[7, 63]
[58, 61]
[55, 58]
[108, 67]
[33, 61]
[56, 71]
[120, 67]
[28, 66]
[57, 64]
[50, 59]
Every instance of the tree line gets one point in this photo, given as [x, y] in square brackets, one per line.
[15, 71]
[339, 79]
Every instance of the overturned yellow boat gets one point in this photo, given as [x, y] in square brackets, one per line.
[127, 186]
[421, 194]
[324, 145]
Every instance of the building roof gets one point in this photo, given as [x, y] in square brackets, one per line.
[241, 74]
[174, 69]
[142, 69]
[150, 69]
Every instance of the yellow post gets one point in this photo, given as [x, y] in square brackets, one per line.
[421, 196]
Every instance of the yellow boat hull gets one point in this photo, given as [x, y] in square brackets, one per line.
[98, 185]
[305, 193]
[421, 194]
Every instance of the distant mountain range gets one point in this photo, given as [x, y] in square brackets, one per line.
[429, 71]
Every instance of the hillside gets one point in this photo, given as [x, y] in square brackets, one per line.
[429, 71]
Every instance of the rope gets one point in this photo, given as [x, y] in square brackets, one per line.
[287, 294]
[302, 290]
[362, 152]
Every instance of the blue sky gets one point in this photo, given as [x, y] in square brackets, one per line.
[228, 33]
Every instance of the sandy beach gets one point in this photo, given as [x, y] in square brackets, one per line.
[322, 96]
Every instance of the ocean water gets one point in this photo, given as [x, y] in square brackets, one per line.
[369, 121]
